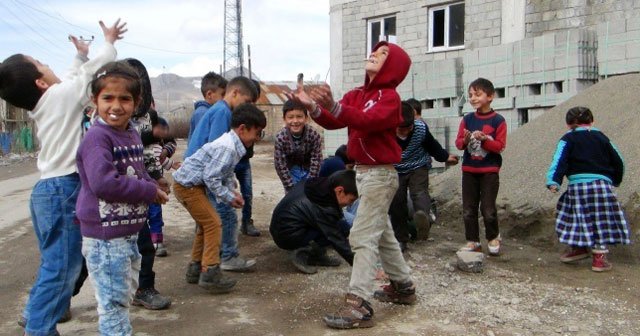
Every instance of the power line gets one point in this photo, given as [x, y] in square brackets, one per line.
[28, 26]
[36, 43]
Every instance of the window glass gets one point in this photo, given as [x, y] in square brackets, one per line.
[438, 28]
[456, 25]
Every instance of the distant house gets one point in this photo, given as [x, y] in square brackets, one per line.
[538, 53]
[17, 131]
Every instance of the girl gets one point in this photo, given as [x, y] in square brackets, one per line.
[114, 195]
[589, 215]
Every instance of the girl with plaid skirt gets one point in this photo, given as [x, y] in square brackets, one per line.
[589, 215]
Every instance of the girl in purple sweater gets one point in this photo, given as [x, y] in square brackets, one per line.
[114, 195]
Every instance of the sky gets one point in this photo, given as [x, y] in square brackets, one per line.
[182, 37]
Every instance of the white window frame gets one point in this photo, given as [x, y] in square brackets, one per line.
[382, 37]
[446, 46]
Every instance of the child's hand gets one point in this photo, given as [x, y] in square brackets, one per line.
[114, 32]
[238, 201]
[452, 160]
[161, 197]
[323, 96]
[176, 165]
[467, 136]
[81, 46]
[553, 188]
[164, 185]
[479, 135]
[301, 96]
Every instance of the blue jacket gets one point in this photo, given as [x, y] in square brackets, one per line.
[199, 108]
[214, 123]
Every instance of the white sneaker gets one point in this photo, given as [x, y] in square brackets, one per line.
[238, 264]
[161, 251]
[494, 246]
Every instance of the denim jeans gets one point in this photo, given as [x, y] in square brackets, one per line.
[155, 221]
[298, 174]
[243, 174]
[229, 220]
[113, 269]
[53, 204]
[372, 234]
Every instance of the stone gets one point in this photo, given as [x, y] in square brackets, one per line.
[472, 262]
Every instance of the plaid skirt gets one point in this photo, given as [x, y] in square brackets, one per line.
[589, 214]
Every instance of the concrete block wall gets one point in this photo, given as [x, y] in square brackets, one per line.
[482, 23]
[618, 47]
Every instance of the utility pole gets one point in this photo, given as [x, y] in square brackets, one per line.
[233, 36]
[249, 59]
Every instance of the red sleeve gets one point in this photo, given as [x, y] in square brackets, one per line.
[497, 145]
[385, 113]
[460, 137]
[328, 121]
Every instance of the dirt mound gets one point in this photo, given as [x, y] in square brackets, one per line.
[526, 208]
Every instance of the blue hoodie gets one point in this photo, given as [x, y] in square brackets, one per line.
[199, 108]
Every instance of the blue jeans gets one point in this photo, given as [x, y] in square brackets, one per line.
[113, 269]
[243, 174]
[155, 218]
[229, 246]
[53, 205]
[298, 174]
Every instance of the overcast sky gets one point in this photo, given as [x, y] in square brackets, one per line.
[183, 37]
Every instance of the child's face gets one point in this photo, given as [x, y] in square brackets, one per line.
[213, 96]
[48, 76]
[295, 120]
[237, 98]
[376, 60]
[343, 198]
[114, 103]
[249, 136]
[160, 131]
[403, 132]
[480, 100]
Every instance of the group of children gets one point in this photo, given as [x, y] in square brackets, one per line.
[103, 181]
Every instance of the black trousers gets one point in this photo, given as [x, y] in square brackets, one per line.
[480, 190]
[417, 183]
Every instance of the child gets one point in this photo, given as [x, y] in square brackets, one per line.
[371, 112]
[418, 145]
[114, 195]
[212, 87]
[211, 168]
[482, 135]
[214, 123]
[309, 218]
[589, 215]
[57, 108]
[298, 147]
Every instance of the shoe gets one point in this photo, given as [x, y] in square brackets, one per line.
[214, 281]
[193, 272]
[574, 254]
[356, 312]
[403, 246]
[318, 257]
[600, 263]
[248, 229]
[423, 224]
[397, 292]
[238, 264]
[161, 251]
[300, 259]
[494, 246]
[151, 299]
[471, 247]
[66, 317]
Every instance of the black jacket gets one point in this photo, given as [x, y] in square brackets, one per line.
[310, 204]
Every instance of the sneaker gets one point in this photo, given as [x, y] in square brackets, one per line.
[248, 229]
[193, 272]
[300, 259]
[397, 292]
[574, 254]
[471, 247]
[356, 312]
[161, 251]
[150, 298]
[238, 264]
[214, 281]
[600, 262]
[423, 225]
[66, 317]
[318, 257]
[494, 246]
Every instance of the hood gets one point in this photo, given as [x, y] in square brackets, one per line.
[394, 69]
[201, 103]
[319, 191]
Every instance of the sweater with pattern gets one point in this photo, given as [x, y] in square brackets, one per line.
[482, 156]
[418, 148]
[306, 153]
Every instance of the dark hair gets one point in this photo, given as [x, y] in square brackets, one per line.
[415, 104]
[245, 85]
[146, 95]
[346, 179]
[579, 115]
[119, 69]
[291, 105]
[407, 115]
[341, 152]
[212, 81]
[163, 122]
[257, 85]
[484, 85]
[249, 115]
[153, 117]
[18, 82]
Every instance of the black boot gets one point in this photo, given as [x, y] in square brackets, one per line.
[300, 259]
[214, 281]
[248, 229]
[318, 256]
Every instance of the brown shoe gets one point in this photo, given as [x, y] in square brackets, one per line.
[397, 292]
[356, 312]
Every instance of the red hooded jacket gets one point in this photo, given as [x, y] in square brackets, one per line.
[372, 112]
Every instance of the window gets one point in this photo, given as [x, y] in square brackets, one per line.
[380, 29]
[446, 27]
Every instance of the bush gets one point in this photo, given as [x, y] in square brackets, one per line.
[179, 127]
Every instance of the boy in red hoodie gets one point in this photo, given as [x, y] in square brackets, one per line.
[371, 112]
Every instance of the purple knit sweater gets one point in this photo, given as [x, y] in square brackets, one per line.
[115, 187]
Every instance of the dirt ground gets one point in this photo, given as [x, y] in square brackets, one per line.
[526, 291]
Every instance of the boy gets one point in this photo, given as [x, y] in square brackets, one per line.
[371, 112]
[298, 147]
[57, 108]
[212, 87]
[211, 168]
[418, 145]
[417, 108]
[308, 219]
[482, 135]
[214, 123]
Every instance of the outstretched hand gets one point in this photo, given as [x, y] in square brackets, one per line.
[81, 46]
[323, 96]
[115, 32]
[320, 94]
